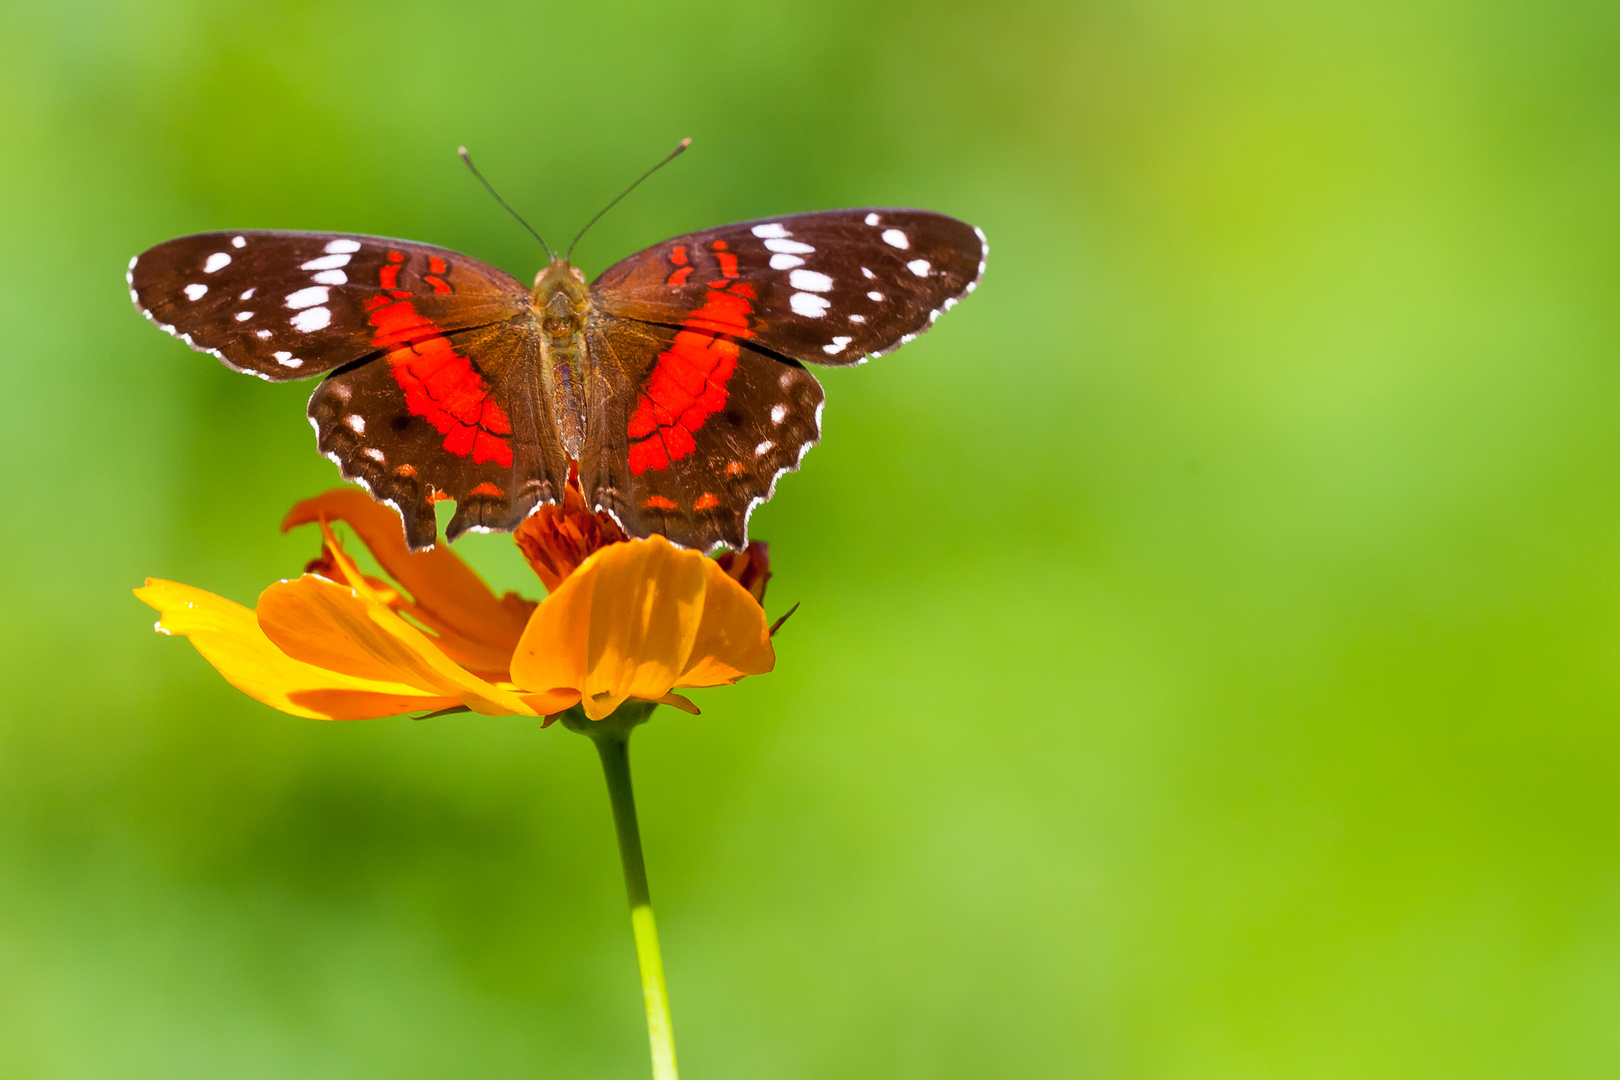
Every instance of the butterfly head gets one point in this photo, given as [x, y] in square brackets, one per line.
[562, 298]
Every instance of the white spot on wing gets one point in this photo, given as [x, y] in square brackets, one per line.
[779, 412]
[373, 453]
[867, 274]
[356, 422]
[769, 229]
[759, 451]
[217, 261]
[196, 292]
[857, 318]
[327, 262]
[871, 219]
[810, 281]
[338, 247]
[809, 305]
[919, 267]
[249, 294]
[243, 316]
[786, 380]
[332, 277]
[287, 359]
[238, 242]
[785, 262]
[303, 298]
[877, 296]
[837, 346]
[788, 247]
[261, 334]
[310, 319]
[896, 238]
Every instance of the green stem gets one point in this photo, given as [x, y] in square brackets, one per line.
[612, 739]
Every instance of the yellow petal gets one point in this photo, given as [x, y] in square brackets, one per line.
[626, 622]
[477, 627]
[320, 622]
[229, 637]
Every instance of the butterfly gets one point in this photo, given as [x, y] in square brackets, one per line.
[674, 384]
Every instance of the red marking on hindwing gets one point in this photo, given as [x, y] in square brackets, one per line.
[706, 501]
[678, 255]
[688, 383]
[658, 502]
[679, 277]
[440, 384]
[389, 277]
[487, 488]
[435, 265]
[438, 283]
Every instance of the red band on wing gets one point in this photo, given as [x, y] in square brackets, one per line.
[688, 384]
[686, 388]
[440, 384]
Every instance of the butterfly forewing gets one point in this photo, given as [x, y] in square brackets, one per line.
[825, 288]
[285, 305]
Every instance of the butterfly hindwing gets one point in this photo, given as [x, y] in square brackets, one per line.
[452, 415]
[690, 430]
[825, 288]
[286, 305]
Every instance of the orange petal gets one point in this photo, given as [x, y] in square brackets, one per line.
[479, 627]
[228, 636]
[321, 622]
[624, 625]
[733, 639]
[470, 654]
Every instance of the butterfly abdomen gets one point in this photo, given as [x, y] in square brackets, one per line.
[563, 302]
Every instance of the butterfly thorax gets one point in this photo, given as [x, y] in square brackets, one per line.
[562, 301]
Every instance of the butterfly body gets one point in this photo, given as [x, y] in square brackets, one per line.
[675, 382]
[562, 302]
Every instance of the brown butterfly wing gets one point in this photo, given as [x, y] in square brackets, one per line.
[287, 305]
[448, 416]
[698, 345]
[689, 431]
[823, 288]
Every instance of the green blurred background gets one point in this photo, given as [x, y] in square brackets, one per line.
[1210, 651]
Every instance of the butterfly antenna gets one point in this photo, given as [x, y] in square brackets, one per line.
[467, 158]
[673, 155]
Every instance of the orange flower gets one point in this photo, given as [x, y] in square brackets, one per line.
[625, 619]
